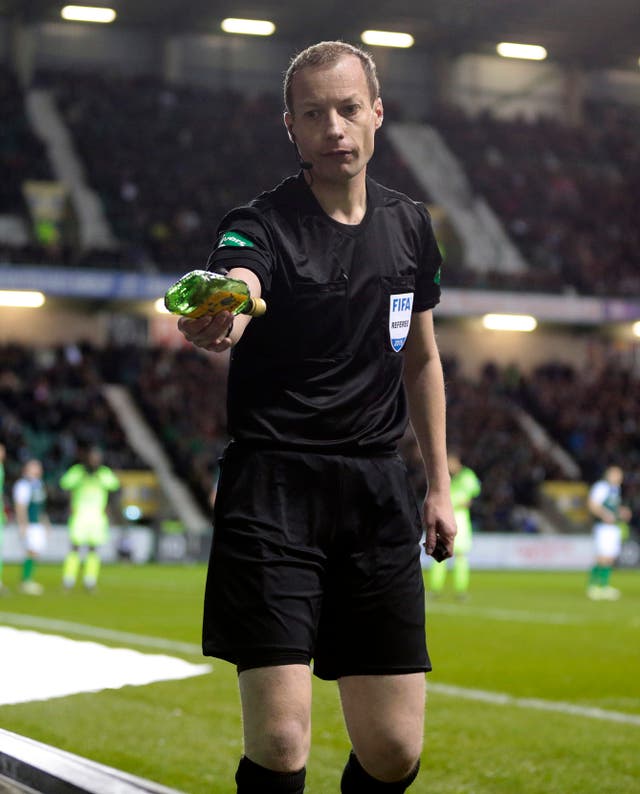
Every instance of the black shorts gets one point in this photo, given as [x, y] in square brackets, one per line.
[317, 557]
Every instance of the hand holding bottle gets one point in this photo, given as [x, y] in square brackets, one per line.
[210, 332]
[202, 298]
[201, 292]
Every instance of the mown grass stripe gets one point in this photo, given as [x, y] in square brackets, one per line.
[502, 699]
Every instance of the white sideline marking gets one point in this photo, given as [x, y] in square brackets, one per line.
[37, 666]
[500, 699]
[514, 615]
[48, 624]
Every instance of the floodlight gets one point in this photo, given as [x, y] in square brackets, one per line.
[248, 27]
[509, 322]
[24, 299]
[387, 38]
[636, 328]
[88, 14]
[530, 52]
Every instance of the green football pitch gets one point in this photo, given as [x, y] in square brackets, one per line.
[535, 689]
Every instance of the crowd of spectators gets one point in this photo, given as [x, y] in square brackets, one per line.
[22, 156]
[51, 406]
[182, 395]
[482, 427]
[564, 194]
[594, 413]
[170, 161]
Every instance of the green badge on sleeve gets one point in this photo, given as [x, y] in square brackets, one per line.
[234, 240]
[436, 278]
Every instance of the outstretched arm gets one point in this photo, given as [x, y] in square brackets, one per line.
[424, 384]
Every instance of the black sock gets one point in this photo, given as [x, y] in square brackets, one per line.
[355, 780]
[252, 778]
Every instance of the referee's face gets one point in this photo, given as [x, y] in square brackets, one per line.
[333, 119]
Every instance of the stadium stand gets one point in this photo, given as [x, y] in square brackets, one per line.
[22, 158]
[563, 193]
[50, 406]
[179, 158]
[481, 423]
[599, 424]
[51, 403]
[163, 382]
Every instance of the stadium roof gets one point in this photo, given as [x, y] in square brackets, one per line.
[589, 33]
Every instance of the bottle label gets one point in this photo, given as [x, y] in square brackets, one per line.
[219, 301]
[234, 240]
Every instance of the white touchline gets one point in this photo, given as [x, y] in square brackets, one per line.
[111, 635]
[501, 699]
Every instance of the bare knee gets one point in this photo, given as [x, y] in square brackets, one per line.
[282, 745]
[385, 720]
[390, 756]
[276, 713]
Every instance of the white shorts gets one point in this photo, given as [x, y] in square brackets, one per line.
[608, 540]
[36, 539]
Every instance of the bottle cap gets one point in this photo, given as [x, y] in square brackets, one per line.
[258, 307]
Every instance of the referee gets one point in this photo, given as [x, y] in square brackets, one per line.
[315, 556]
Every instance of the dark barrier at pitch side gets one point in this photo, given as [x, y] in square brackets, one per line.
[28, 766]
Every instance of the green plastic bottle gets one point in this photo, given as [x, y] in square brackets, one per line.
[200, 292]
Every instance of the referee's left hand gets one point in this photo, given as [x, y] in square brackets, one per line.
[439, 524]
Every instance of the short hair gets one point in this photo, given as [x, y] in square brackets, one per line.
[324, 54]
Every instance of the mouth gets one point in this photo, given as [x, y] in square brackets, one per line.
[338, 153]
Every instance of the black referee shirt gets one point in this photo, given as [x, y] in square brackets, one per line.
[322, 369]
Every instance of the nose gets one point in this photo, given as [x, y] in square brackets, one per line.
[334, 125]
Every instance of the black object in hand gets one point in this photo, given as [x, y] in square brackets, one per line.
[439, 552]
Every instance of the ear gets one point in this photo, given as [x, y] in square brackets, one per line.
[288, 123]
[378, 111]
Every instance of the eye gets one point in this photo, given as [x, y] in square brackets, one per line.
[311, 114]
[351, 109]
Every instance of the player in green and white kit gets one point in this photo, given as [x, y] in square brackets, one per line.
[465, 486]
[30, 500]
[90, 485]
[605, 504]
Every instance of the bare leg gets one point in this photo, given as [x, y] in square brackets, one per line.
[276, 713]
[384, 715]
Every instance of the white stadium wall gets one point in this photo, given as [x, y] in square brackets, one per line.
[473, 346]
[93, 47]
[506, 87]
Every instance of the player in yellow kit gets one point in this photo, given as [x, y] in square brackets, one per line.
[90, 484]
[465, 487]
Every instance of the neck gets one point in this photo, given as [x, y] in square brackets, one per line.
[345, 202]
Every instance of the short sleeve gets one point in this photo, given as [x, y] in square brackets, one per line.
[244, 240]
[427, 293]
[21, 493]
[599, 493]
